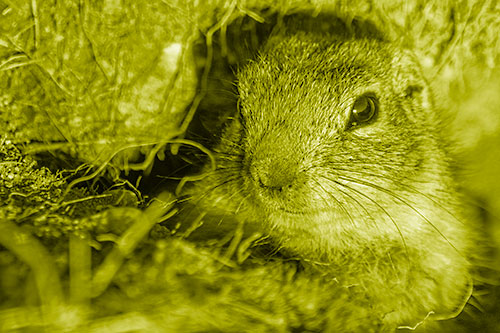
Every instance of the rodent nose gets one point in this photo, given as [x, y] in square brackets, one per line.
[275, 180]
[274, 174]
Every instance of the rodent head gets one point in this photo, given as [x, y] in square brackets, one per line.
[336, 154]
[334, 137]
[309, 106]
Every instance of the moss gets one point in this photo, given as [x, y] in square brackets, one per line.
[36, 198]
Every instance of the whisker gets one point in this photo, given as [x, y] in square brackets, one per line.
[242, 201]
[227, 213]
[221, 93]
[229, 157]
[354, 199]
[369, 184]
[232, 143]
[221, 170]
[336, 200]
[213, 188]
[378, 205]
[196, 199]
[406, 186]
[364, 163]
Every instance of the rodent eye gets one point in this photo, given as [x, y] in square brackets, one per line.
[363, 110]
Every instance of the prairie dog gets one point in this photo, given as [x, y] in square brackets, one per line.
[335, 152]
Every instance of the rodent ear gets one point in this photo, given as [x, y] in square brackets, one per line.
[413, 90]
[410, 82]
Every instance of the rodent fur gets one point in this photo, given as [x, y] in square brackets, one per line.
[374, 207]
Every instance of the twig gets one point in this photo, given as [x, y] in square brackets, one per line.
[34, 12]
[206, 71]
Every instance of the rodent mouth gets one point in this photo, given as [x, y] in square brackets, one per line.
[291, 212]
[272, 205]
[275, 207]
[271, 202]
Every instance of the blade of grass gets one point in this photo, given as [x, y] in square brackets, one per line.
[33, 253]
[80, 274]
[129, 241]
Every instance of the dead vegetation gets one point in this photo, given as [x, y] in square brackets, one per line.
[107, 87]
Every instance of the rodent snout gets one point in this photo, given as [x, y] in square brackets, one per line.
[273, 179]
[274, 172]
